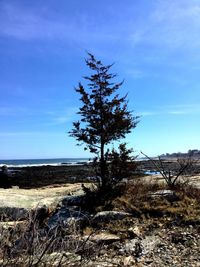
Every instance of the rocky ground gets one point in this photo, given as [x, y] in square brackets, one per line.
[157, 245]
[160, 230]
[164, 247]
[145, 225]
[117, 238]
[40, 176]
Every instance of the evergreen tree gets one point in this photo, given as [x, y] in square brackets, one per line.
[104, 114]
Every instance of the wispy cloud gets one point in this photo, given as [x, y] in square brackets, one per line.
[64, 116]
[26, 24]
[179, 109]
[11, 111]
[147, 113]
[171, 25]
[184, 109]
[62, 119]
[168, 25]
[136, 73]
[178, 112]
[30, 134]
[22, 23]
[178, 23]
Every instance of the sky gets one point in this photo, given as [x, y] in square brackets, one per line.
[155, 48]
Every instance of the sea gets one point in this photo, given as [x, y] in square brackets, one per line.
[43, 162]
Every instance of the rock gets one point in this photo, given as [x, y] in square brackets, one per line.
[38, 214]
[73, 200]
[138, 247]
[148, 261]
[68, 216]
[170, 195]
[132, 247]
[162, 193]
[149, 243]
[14, 213]
[178, 238]
[4, 177]
[15, 203]
[128, 261]
[11, 224]
[110, 215]
[134, 232]
[104, 238]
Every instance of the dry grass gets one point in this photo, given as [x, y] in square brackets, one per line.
[149, 212]
[27, 244]
[183, 205]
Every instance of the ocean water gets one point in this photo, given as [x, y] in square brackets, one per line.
[43, 162]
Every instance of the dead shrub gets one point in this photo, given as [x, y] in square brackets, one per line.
[28, 244]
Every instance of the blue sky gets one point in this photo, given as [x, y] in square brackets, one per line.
[155, 46]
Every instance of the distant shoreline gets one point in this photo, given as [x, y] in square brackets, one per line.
[22, 163]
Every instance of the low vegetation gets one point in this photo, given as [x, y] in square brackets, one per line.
[150, 207]
[28, 244]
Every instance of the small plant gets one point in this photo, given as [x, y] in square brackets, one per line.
[120, 164]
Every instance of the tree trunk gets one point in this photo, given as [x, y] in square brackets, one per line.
[103, 166]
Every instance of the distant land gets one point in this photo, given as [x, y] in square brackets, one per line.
[190, 153]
